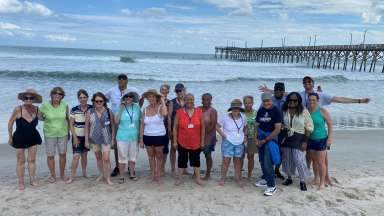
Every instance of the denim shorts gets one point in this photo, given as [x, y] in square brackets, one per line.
[318, 144]
[230, 150]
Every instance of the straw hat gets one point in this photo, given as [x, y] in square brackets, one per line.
[135, 96]
[151, 92]
[37, 97]
[236, 104]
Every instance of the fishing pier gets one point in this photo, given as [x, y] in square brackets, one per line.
[362, 57]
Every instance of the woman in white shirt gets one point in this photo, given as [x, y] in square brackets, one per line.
[231, 127]
[152, 131]
[298, 126]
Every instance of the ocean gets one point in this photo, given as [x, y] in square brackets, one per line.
[96, 70]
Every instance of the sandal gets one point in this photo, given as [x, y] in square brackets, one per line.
[133, 178]
[121, 181]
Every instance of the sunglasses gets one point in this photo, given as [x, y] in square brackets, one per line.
[28, 98]
[99, 101]
[129, 96]
[293, 100]
[58, 93]
[178, 91]
[266, 101]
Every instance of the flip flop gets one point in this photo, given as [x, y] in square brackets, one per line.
[121, 181]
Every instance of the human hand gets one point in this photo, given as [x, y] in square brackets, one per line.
[303, 146]
[365, 100]
[76, 141]
[10, 140]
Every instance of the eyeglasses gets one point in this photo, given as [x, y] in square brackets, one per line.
[99, 101]
[28, 98]
[58, 93]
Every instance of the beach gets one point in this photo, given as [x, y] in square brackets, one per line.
[356, 167]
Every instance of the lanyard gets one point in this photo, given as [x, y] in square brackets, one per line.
[237, 126]
[130, 115]
[190, 117]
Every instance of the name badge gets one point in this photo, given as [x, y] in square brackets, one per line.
[131, 125]
[107, 123]
[190, 126]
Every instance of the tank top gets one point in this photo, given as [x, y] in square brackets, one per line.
[154, 125]
[176, 106]
[100, 128]
[319, 131]
[189, 129]
[210, 137]
[26, 134]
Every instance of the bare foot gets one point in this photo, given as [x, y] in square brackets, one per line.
[99, 178]
[109, 182]
[206, 177]
[185, 172]
[315, 182]
[69, 180]
[222, 182]
[328, 182]
[33, 183]
[21, 186]
[199, 182]
[239, 183]
[178, 182]
[64, 178]
[321, 186]
[85, 175]
[52, 179]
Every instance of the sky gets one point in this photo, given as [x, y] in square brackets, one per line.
[194, 26]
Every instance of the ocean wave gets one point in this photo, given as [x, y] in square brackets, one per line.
[62, 57]
[68, 75]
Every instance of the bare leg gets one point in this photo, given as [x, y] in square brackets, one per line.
[63, 161]
[115, 151]
[308, 158]
[251, 164]
[322, 168]
[172, 157]
[99, 162]
[84, 162]
[107, 167]
[197, 174]
[75, 162]
[20, 167]
[51, 167]
[158, 162]
[32, 165]
[151, 159]
[164, 163]
[208, 159]
[237, 162]
[179, 178]
[314, 158]
[122, 167]
[224, 170]
[327, 178]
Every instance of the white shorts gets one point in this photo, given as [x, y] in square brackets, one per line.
[127, 151]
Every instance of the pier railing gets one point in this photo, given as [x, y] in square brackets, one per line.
[356, 57]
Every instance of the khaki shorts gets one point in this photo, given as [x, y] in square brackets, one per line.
[100, 147]
[127, 151]
[59, 143]
[251, 146]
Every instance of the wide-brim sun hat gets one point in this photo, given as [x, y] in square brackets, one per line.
[37, 98]
[151, 92]
[135, 97]
[236, 104]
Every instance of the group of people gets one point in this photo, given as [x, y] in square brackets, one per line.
[293, 130]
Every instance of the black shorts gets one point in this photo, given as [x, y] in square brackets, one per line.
[156, 141]
[166, 144]
[185, 154]
[81, 147]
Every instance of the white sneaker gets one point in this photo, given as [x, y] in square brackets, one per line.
[261, 183]
[270, 191]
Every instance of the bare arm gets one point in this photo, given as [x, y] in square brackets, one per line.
[73, 132]
[328, 121]
[346, 100]
[118, 116]
[170, 110]
[163, 108]
[113, 127]
[141, 142]
[11, 121]
[202, 131]
[274, 133]
[221, 133]
[175, 126]
[86, 129]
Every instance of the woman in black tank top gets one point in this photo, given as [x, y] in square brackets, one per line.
[26, 135]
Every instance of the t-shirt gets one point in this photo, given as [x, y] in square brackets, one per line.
[279, 102]
[79, 116]
[55, 120]
[129, 125]
[114, 96]
[189, 129]
[324, 99]
[233, 129]
[267, 118]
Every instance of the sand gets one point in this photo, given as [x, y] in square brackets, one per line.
[356, 165]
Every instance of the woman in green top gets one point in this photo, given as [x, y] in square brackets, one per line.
[320, 140]
[56, 128]
[250, 113]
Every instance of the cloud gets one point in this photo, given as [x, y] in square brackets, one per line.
[126, 11]
[8, 26]
[16, 6]
[374, 13]
[148, 12]
[61, 38]
[239, 7]
[179, 7]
